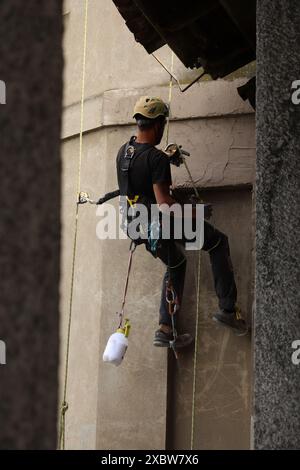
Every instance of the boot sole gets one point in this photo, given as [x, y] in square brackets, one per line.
[161, 344]
[232, 328]
[167, 344]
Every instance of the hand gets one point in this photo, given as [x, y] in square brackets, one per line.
[173, 151]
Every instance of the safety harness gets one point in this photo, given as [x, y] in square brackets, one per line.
[149, 230]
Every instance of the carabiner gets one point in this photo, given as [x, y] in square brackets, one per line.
[173, 298]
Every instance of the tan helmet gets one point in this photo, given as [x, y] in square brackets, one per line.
[151, 107]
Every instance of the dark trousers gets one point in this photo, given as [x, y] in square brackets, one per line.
[171, 253]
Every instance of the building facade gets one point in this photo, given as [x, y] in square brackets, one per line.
[146, 403]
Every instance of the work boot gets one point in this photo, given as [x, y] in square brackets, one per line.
[162, 339]
[232, 320]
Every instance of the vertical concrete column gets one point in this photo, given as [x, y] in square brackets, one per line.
[277, 319]
[30, 172]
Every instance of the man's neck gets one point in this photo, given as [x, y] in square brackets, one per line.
[145, 138]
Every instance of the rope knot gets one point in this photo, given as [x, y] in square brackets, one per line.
[64, 407]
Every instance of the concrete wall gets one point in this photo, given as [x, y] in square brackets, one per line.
[127, 407]
[30, 170]
[223, 377]
[277, 320]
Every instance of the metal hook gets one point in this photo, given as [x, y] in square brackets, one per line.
[84, 197]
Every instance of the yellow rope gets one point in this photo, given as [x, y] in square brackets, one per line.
[64, 405]
[195, 353]
[198, 273]
[170, 97]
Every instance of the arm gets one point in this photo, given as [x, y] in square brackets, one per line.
[161, 186]
[162, 196]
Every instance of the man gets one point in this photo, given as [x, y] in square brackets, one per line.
[144, 174]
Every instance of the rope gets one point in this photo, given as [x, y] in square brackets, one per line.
[64, 406]
[199, 258]
[197, 319]
[175, 78]
[132, 250]
[170, 96]
[195, 353]
[191, 179]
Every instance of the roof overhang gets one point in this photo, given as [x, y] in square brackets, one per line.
[218, 35]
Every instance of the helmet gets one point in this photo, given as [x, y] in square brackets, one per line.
[151, 107]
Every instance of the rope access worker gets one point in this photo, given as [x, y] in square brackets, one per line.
[144, 175]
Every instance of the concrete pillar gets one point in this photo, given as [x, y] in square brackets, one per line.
[277, 320]
[30, 169]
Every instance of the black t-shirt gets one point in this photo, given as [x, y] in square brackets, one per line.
[148, 166]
